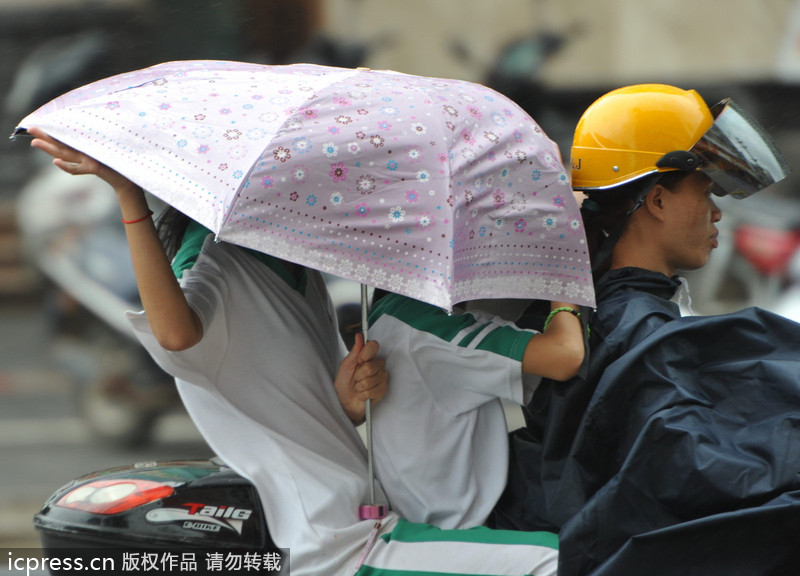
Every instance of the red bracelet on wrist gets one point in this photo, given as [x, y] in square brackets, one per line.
[142, 219]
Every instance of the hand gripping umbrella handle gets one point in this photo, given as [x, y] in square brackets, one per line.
[369, 511]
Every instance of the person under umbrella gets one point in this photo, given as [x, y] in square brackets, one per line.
[254, 347]
[440, 435]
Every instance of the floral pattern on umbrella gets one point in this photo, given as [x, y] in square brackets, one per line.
[443, 190]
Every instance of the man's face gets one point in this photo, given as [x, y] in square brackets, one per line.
[691, 217]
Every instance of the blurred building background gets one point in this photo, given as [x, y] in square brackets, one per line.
[539, 49]
[554, 57]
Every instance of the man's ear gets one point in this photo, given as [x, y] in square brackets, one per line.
[654, 202]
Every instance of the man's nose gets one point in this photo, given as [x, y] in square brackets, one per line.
[716, 213]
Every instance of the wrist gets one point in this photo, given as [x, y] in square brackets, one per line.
[145, 216]
[132, 203]
[355, 412]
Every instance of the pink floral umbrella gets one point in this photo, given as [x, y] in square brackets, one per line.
[442, 190]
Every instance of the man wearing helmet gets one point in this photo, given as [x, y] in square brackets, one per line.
[637, 143]
[678, 451]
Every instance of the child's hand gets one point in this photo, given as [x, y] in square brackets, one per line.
[362, 375]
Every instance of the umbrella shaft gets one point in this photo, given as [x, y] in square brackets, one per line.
[368, 406]
[370, 470]
[364, 311]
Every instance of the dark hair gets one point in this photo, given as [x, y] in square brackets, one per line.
[171, 227]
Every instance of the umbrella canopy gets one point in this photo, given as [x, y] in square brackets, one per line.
[442, 190]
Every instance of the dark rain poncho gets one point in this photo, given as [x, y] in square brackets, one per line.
[680, 451]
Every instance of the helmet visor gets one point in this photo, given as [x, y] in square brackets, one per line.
[737, 154]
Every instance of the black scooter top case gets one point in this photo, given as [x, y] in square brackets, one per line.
[156, 505]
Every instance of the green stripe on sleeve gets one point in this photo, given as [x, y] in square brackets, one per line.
[421, 316]
[507, 340]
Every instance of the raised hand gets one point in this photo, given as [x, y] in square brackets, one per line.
[75, 162]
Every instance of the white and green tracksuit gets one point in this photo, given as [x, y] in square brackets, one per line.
[441, 444]
[440, 434]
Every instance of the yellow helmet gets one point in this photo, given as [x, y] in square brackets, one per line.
[623, 135]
